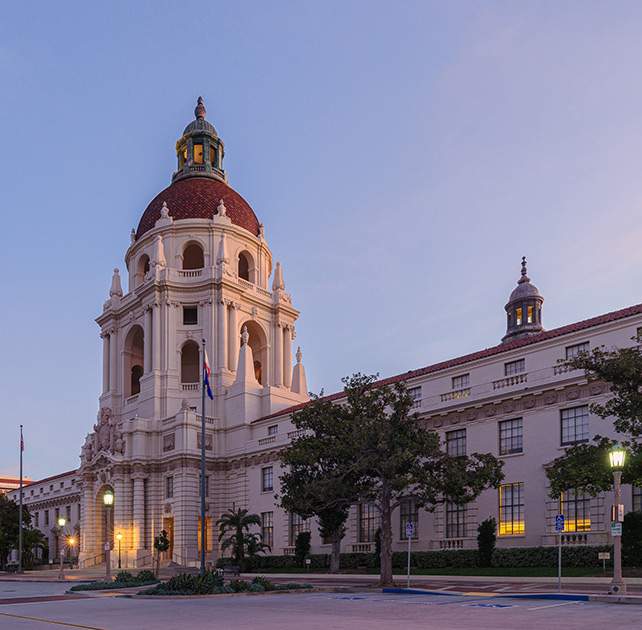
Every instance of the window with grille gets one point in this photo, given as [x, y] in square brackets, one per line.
[169, 487]
[576, 349]
[297, 525]
[267, 479]
[273, 430]
[514, 367]
[576, 508]
[637, 499]
[511, 509]
[368, 521]
[408, 513]
[267, 528]
[461, 382]
[456, 443]
[574, 425]
[415, 394]
[511, 436]
[455, 520]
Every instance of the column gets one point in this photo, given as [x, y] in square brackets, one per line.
[147, 361]
[88, 543]
[105, 363]
[113, 361]
[287, 356]
[121, 521]
[221, 342]
[278, 355]
[156, 337]
[234, 337]
[139, 513]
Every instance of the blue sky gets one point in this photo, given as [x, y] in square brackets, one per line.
[402, 156]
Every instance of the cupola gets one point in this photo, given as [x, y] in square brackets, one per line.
[524, 309]
[199, 150]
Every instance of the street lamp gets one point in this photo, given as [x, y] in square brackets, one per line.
[61, 525]
[71, 541]
[108, 501]
[617, 457]
[119, 537]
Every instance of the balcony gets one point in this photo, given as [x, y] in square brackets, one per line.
[190, 273]
[267, 440]
[509, 381]
[457, 394]
[365, 547]
[190, 387]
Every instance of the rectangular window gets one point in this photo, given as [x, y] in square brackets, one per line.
[455, 520]
[190, 315]
[68, 511]
[576, 508]
[518, 315]
[415, 394]
[267, 479]
[514, 367]
[637, 499]
[461, 382]
[529, 315]
[456, 443]
[296, 526]
[267, 528]
[36, 518]
[511, 509]
[198, 153]
[408, 513]
[46, 517]
[574, 425]
[169, 487]
[213, 156]
[511, 436]
[368, 522]
[56, 515]
[273, 430]
[572, 351]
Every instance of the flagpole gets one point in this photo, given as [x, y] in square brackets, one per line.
[20, 508]
[203, 460]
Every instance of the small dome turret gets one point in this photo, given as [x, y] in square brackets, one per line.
[524, 308]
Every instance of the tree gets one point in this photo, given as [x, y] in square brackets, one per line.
[33, 540]
[234, 525]
[302, 547]
[379, 449]
[585, 467]
[9, 531]
[632, 539]
[486, 541]
[161, 544]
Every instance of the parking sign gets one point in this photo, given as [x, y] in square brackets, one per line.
[410, 529]
[559, 523]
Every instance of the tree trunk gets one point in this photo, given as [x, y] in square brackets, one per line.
[385, 578]
[157, 562]
[335, 556]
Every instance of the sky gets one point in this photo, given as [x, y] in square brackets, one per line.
[403, 157]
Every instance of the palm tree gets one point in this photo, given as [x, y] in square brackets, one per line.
[234, 526]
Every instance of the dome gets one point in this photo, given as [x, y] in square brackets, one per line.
[197, 198]
[524, 290]
[200, 125]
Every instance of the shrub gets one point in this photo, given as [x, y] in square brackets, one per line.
[256, 588]
[145, 576]
[302, 547]
[124, 576]
[486, 541]
[238, 586]
[264, 582]
[632, 540]
[188, 584]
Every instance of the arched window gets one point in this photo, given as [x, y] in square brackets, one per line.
[190, 363]
[134, 360]
[258, 343]
[137, 373]
[193, 257]
[142, 269]
[246, 269]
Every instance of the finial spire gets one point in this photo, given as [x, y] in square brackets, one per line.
[200, 110]
[524, 277]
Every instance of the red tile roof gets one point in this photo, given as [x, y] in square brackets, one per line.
[488, 352]
[197, 198]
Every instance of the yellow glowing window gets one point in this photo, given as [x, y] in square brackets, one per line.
[529, 315]
[198, 154]
[213, 156]
[208, 538]
[185, 154]
[511, 509]
[576, 508]
[518, 316]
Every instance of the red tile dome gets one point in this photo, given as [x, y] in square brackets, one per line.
[197, 198]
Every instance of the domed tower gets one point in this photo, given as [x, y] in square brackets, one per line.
[524, 309]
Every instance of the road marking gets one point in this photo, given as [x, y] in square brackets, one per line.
[57, 623]
[553, 605]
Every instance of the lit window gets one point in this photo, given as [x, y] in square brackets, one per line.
[511, 436]
[267, 479]
[456, 443]
[574, 425]
[576, 349]
[576, 508]
[213, 156]
[415, 394]
[408, 513]
[169, 487]
[529, 314]
[455, 520]
[518, 316]
[296, 526]
[461, 382]
[267, 528]
[190, 315]
[198, 154]
[273, 430]
[511, 509]
[514, 367]
[368, 521]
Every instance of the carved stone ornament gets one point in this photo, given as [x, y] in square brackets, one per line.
[105, 438]
[529, 402]
[572, 394]
[550, 398]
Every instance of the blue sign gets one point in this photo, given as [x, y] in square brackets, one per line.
[410, 529]
[559, 523]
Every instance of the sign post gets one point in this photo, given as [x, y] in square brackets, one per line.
[604, 556]
[559, 528]
[410, 532]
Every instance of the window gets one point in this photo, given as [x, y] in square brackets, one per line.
[36, 518]
[244, 266]
[415, 394]
[190, 370]
[198, 153]
[190, 315]
[46, 517]
[169, 487]
[368, 522]
[169, 442]
[297, 525]
[267, 479]
[62, 484]
[273, 430]
[511, 436]
[637, 499]
[213, 156]
[514, 367]
[529, 314]
[576, 508]
[408, 513]
[461, 382]
[51, 488]
[31, 493]
[456, 443]
[193, 257]
[576, 349]
[511, 509]
[68, 511]
[56, 515]
[267, 528]
[455, 520]
[518, 316]
[574, 425]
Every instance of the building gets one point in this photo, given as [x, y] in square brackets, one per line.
[12, 483]
[199, 268]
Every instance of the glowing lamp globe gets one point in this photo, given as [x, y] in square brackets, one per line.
[617, 457]
[108, 498]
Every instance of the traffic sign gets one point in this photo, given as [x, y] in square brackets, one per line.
[410, 529]
[603, 555]
[559, 523]
[616, 529]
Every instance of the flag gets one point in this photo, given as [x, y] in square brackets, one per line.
[207, 372]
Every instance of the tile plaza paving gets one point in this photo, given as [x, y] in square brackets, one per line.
[314, 611]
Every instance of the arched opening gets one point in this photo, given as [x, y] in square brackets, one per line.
[258, 342]
[142, 269]
[190, 363]
[246, 268]
[193, 257]
[134, 367]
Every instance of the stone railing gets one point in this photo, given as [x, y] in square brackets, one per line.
[362, 547]
[288, 551]
[508, 381]
[190, 387]
[246, 283]
[562, 368]
[131, 399]
[457, 394]
[267, 440]
[292, 435]
[190, 273]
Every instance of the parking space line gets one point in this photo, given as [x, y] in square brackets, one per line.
[553, 605]
[51, 621]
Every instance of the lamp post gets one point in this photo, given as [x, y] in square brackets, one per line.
[71, 541]
[61, 524]
[119, 537]
[108, 501]
[617, 457]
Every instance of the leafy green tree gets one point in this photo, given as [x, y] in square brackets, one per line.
[586, 466]
[302, 547]
[486, 541]
[632, 540]
[234, 525]
[9, 531]
[379, 449]
[33, 541]
[161, 544]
